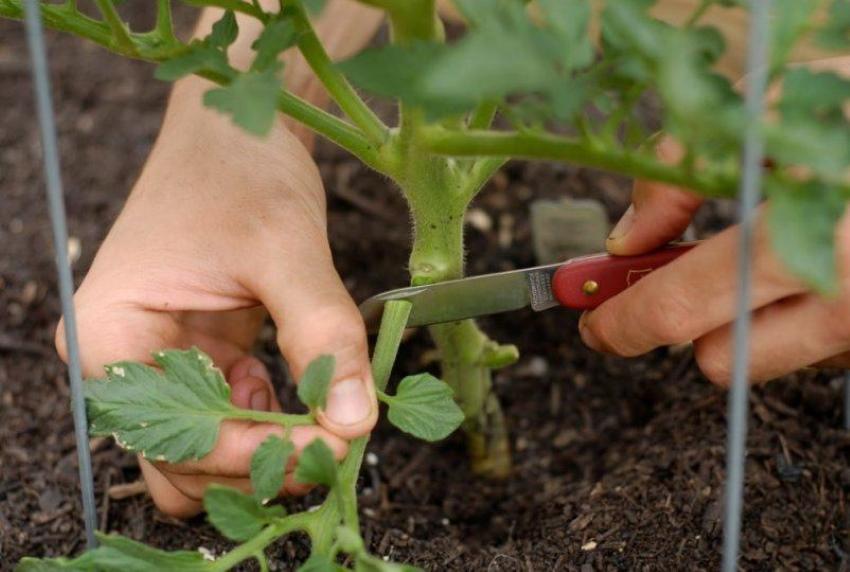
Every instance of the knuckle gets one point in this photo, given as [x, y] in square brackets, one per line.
[668, 318]
[335, 328]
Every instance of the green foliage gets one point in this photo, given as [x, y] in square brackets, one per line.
[198, 56]
[802, 224]
[557, 96]
[119, 553]
[314, 384]
[224, 31]
[236, 515]
[268, 465]
[317, 465]
[319, 563]
[278, 36]
[423, 406]
[169, 415]
[250, 99]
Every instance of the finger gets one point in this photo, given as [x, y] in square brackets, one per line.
[785, 336]
[251, 386]
[840, 361]
[659, 212]
[166, 496]
[237, 440]
[688, 298]
[195, 486]
[315, 315]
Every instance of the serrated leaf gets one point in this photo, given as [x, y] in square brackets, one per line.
[170, 415]
[250, 99]
[423, 406]
[314, 7]
[120, 553]
[503, 53]
[225, 31]
[268, 467]
[802, 224]
[319, 563]
[396, 71]
[236, 515]
[314, 384]
[316, 465]
[835, 33]
[811, 95]
[198, 56]
[369, 563]
[274, 39]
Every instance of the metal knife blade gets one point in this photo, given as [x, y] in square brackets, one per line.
[469, 297]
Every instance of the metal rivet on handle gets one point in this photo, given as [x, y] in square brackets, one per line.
[590, 287]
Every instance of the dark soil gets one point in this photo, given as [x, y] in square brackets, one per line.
[619, 463]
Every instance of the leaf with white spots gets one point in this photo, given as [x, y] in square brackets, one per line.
[172, 414]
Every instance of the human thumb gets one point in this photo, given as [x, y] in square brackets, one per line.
[658, 214]
[315, 315]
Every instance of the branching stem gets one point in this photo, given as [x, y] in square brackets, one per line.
[556, 147]
[335, 83]
[120, 33]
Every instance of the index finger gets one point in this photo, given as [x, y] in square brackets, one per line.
[688, 298]
[237, 440]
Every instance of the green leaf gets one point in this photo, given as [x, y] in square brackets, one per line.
[369, 563]
[802, 223]
[423, 407]
[169, 415]
[320, 563]
[317, 465]
[119, 553]
[268, 467]
[236, 515]
[791, 19]
[314, 7]
[396, 71]
[835, 33]
[198, 56]
[276, 37]
[225, 31]
[503, 53]
[822, 147]
[314, 384]
[810, 95]
[349, 540]
[251, 100]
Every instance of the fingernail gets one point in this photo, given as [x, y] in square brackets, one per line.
[259, 370]
[587, 336]
[624, 225]
[260, 400]
[348, 402]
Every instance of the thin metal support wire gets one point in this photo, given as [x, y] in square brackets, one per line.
[56, 204]
[757, 64]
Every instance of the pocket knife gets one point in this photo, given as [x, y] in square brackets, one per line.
[581, 283]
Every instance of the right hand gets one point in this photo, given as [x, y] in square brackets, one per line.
[221, 227]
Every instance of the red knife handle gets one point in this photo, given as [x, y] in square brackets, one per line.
[584, 283]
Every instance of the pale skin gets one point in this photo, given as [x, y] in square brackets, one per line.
[223, 228]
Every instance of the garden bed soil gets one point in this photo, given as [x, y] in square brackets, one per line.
[619, 463]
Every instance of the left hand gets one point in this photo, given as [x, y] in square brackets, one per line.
[694, 298]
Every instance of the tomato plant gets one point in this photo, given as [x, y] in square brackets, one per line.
[561, 80]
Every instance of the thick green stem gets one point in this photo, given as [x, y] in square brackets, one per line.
[579, 152]
[326, 520]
